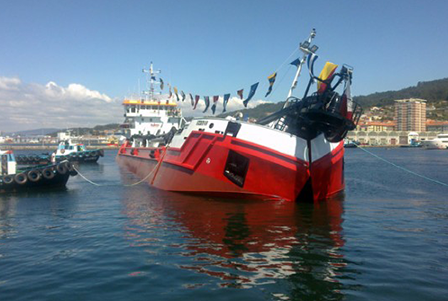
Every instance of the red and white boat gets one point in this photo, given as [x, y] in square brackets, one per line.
[295, 154]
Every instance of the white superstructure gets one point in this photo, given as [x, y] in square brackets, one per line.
[8, 163]
[151, 115]
[441, 142]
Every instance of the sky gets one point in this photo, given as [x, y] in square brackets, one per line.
[71, 63]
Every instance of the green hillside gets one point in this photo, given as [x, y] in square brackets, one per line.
[435, 92]
[432, 91]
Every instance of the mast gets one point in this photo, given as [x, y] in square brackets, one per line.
[306, 49]
[152, 80]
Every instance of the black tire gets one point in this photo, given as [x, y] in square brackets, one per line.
[8, 179]
[34, 175]
[61, 169]
[48, 173]
[20, 178]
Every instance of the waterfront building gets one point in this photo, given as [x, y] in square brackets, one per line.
[376, 126]
[437, 126]
[410, 115]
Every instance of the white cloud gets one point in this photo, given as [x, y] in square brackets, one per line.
[234, 104]
[27, 106]
[9, 83]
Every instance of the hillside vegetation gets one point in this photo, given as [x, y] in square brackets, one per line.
[435, 92]
[432, 91]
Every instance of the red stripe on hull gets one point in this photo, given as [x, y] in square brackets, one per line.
[198, 167]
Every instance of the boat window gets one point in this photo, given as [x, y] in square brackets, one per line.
[236, 168]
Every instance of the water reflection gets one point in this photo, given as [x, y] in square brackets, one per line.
[243, 244]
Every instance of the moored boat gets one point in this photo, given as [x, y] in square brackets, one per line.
[296, 153]
[14, 179]
[76, 152]
[441, 142]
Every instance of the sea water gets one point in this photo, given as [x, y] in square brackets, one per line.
[386, 238]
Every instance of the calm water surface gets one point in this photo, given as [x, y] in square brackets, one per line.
[385, 239]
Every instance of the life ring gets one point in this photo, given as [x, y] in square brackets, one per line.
[48, 173]
[61, 168]
[20, 178]
[8, 179]
[34, 175]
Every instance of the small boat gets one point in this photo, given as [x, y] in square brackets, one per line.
[76, 152]
[441, 142]
[14, 179]
[350, 144]
[294, 154]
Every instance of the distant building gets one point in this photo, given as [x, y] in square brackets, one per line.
[376, 126]
[410, 115]
[437, 126]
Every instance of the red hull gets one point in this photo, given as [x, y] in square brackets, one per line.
[198, 167]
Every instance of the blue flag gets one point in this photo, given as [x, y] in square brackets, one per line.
[225, 101]
[207, 103]
[271, 79]
[253, 88]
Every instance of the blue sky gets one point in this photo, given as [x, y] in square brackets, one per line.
[214, 47]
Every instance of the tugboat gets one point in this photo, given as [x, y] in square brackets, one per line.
[13, 179]
[294, 154]
[77, 152]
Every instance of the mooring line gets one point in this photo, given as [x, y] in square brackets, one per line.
[404, 169]
[126, 185]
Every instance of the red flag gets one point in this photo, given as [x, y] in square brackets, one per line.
[240, 93]
[196, 100]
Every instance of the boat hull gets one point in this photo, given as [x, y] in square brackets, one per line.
[203, 165]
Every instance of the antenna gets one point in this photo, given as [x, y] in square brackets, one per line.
[306, 48]
[151, 81]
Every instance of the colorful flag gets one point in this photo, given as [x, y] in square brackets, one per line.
[207, 103]
[196, 100]
[183, 95]
[296, 62]
[161, 84]
[225, 101]
[271, 79]
[325, 74]
[240, 93]
[171, 93]
[215, 100]
[253, 88]
[175, 93]
[191, 99]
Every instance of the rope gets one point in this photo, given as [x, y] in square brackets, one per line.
[126, 185]
[402, 168]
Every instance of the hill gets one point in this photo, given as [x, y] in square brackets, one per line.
[432, 91]
[435, 92]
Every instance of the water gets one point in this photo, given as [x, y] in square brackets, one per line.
[386, 239]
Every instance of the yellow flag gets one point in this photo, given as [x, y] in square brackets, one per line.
[325, 74]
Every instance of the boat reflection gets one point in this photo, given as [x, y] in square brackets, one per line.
[242, 243]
